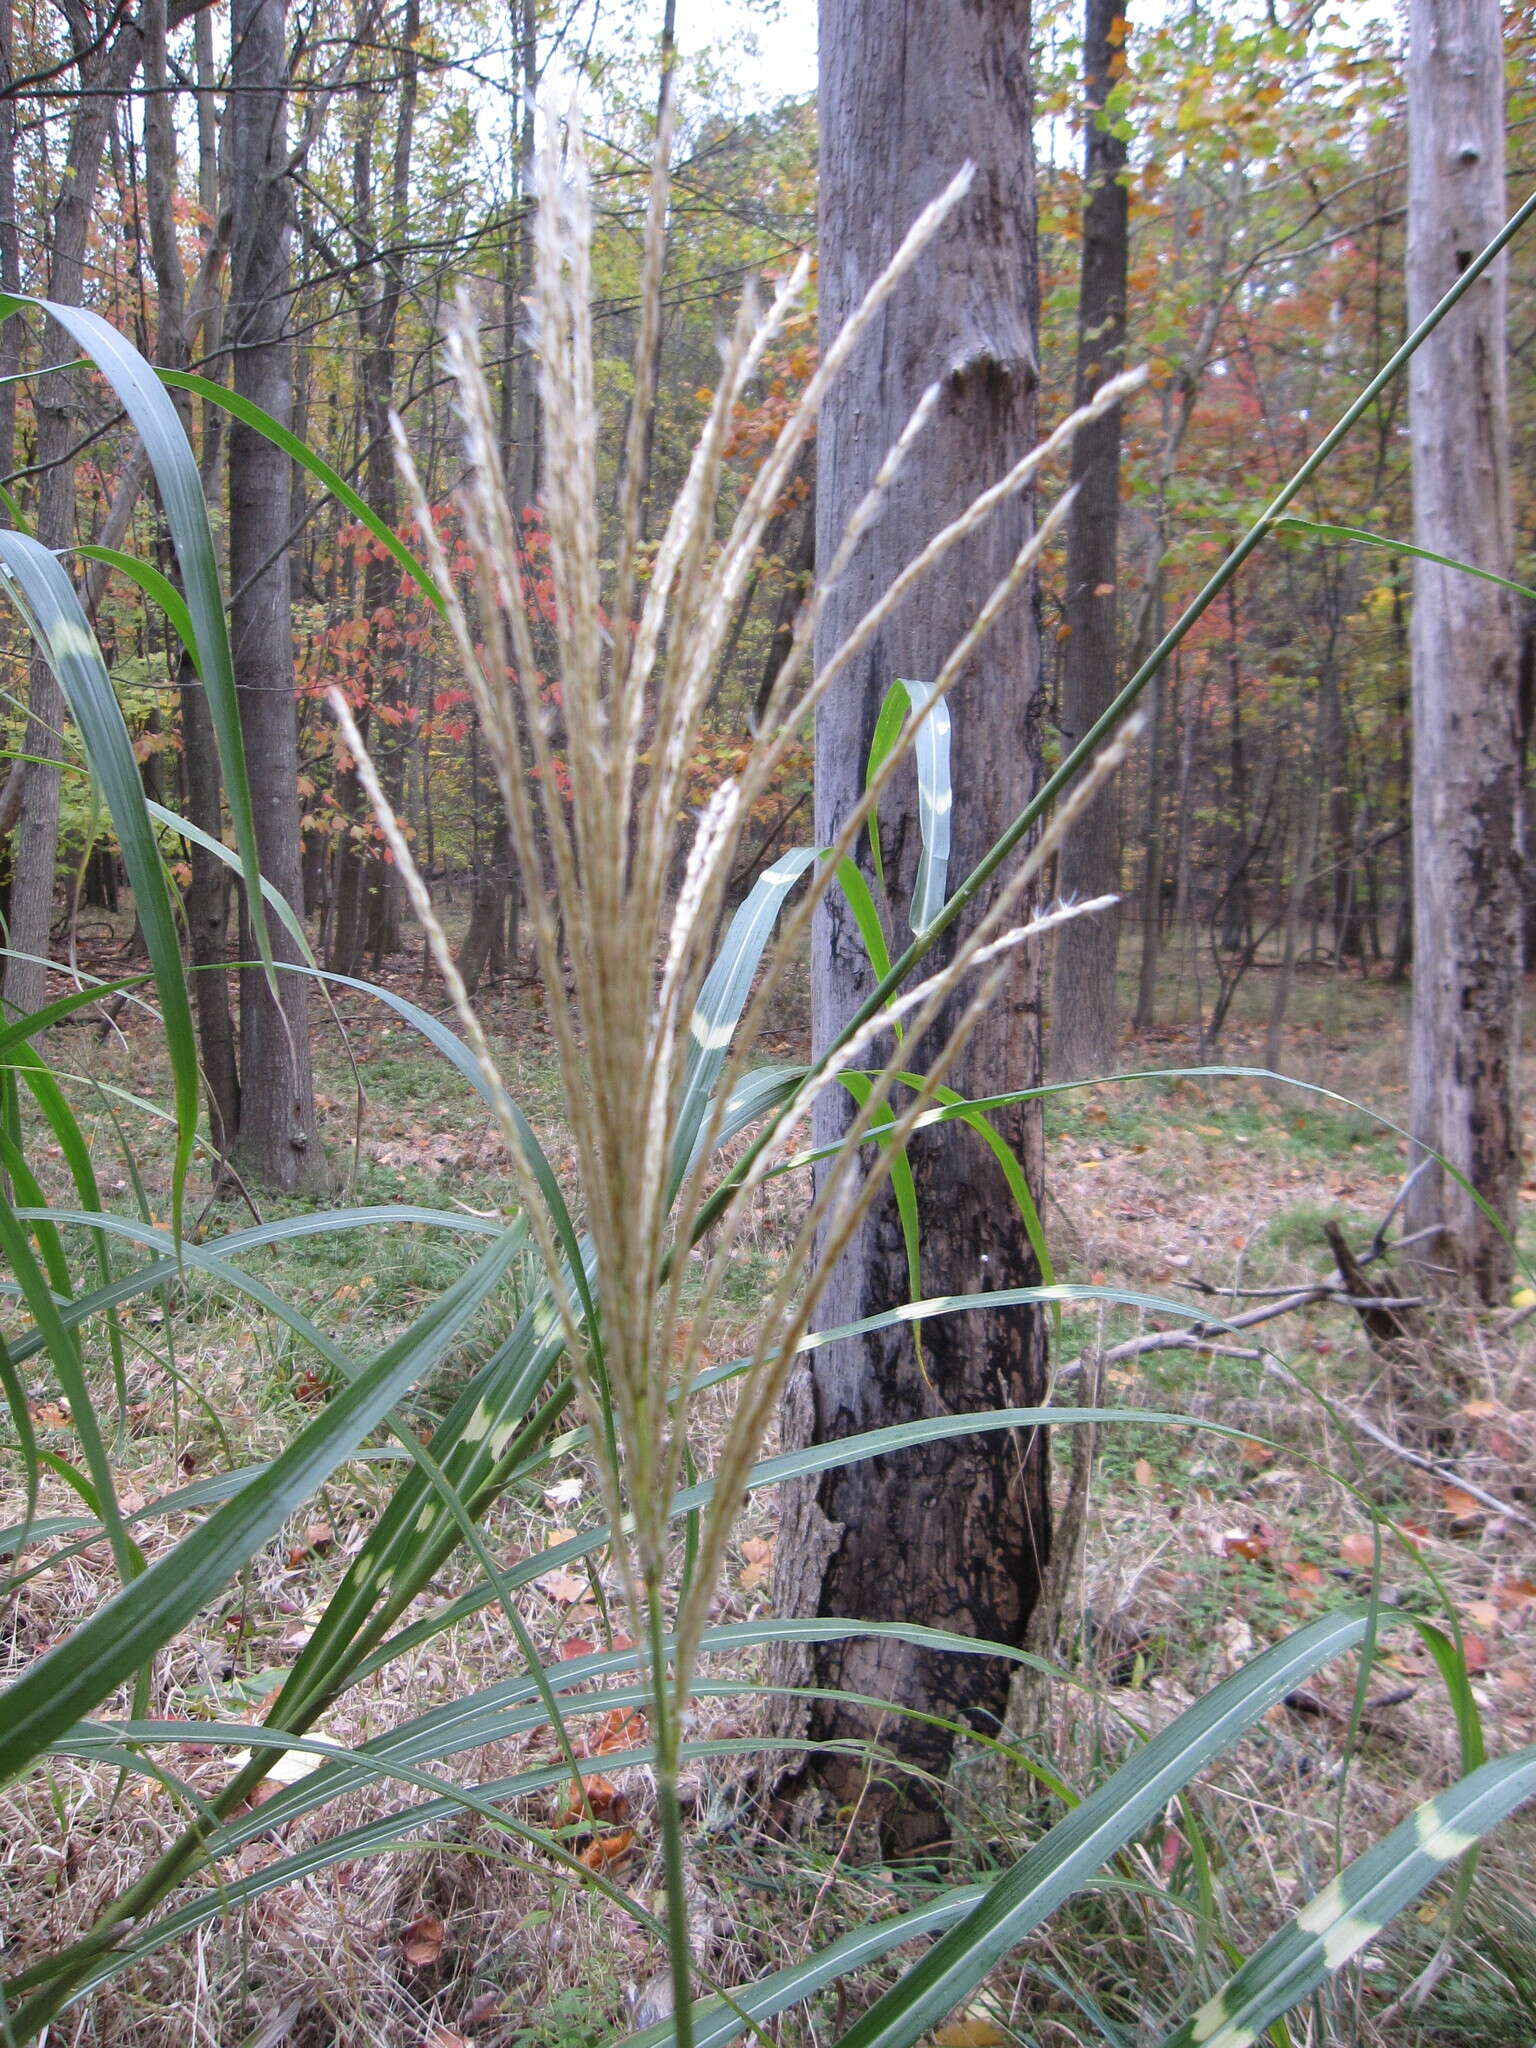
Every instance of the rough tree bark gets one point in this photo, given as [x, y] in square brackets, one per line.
[207, 892]
[1466, 746]
[276, 1146]
[1084, 1036]
[955, 1534]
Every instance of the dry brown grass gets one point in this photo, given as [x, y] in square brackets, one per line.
[1168, 1601]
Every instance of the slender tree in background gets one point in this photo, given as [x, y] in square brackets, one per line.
[953, 1534]
[276, 1145]
[1084, 1034]
[106, 65]
[1466, 741]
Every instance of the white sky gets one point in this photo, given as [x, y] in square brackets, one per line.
[770, 44]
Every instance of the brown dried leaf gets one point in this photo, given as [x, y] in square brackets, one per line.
[974, 2031]
[422, 1942]
[1461, 1506]
[565, 1587]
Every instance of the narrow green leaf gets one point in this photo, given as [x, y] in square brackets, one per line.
[723, 997]
[145, 400]
[1291, 524]
[261, 422]
[1069, 1853]
[68, 1681]
[935, 793]
[46, 599]
[1361, 1901]
[156, 586]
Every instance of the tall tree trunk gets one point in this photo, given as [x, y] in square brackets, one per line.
[1466, 748]
[207, 896]
[381, 575]
[1153, 863]
[1295, 909]
[11, 331]
[277, 1145]
[953, 1534]
[103, 76]
[1084, 1035]
[520, 389]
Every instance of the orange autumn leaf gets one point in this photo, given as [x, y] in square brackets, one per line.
[608, 1850]
[603, 1801]
[624, 1728]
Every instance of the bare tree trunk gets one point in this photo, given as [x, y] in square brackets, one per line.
[519, 390]
[1466, 785]
[1084, 1036]
[103, 75]
[207, 897]
[10, 241]
[1295, 908]
[954, 1534]
[1154, 862]
[11, 331]
[277, 1146]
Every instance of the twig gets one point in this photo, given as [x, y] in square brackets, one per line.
[1447, 1474]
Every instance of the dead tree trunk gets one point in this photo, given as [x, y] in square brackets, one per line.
[1084, 1011]
[277, 1146]
[1466, 744]
[953, 1534]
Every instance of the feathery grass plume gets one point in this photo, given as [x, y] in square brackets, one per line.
[634, 679]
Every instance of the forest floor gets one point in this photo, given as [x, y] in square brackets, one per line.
[1199, 1548]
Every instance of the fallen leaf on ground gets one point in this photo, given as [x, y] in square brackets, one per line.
[1460, 1505]
[623, 1728]
[1358, 1548]
[608, 1850]
[757, 1554]
[563, 1586]
[970, 2032]
[602, 1801]
[422, 1942]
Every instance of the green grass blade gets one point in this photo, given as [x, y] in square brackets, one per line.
[723, 997]
[903, 1186]
[866, 916]
[935, 801]
[68, 1681]
[64, 1355]
[1068, 1855]
[1291, 524]
[144, 398]
[46, 599]
[1361, 1901]
[260, 422]
[935, 795]
[157, 587]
